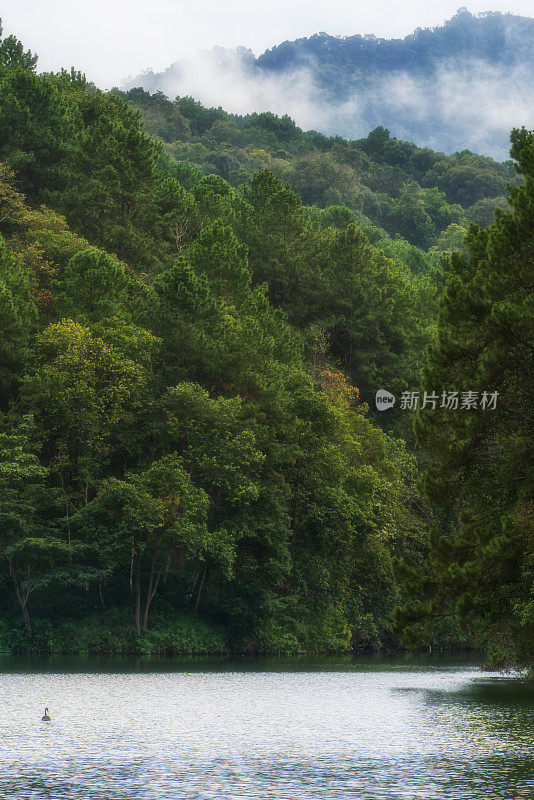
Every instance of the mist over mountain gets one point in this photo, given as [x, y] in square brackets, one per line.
[462, 85]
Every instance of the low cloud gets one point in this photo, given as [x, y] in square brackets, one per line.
[472, 106]
[228, 78]
[467, 106]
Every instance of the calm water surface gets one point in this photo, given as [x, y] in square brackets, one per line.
[317, 730]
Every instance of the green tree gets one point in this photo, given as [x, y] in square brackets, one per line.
[481, 561]
[111, 176]
[39, 555]
[17, 321]
[20, 472]
[84, 395]
[156, 517]
[36, 128]
[12, 54]
[377, 312]
[92, 286]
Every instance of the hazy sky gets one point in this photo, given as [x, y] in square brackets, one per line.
[111, 39]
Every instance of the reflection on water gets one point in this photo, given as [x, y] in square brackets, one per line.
[263, 730]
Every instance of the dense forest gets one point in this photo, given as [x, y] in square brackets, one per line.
[196, 311]
[437, 86]
[386, 186]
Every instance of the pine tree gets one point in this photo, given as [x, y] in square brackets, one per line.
[482, 562]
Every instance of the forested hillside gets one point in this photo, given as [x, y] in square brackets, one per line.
[193, 328]
[412, 193]
[461, 84]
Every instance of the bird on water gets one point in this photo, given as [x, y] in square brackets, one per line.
[45, 718]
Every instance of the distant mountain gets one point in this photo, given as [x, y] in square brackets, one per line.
[496, 39]
[462, 85]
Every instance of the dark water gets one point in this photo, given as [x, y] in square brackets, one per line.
[268, 730]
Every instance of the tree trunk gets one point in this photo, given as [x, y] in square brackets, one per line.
[200, 589]
[153, 584]
[26, 618]
[151, 591]
[138, 593]
[131, 571]
[22, 602]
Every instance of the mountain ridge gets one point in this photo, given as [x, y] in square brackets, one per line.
[462, 84]
[500, 27]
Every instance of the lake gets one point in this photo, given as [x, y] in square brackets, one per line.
[313, 729]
